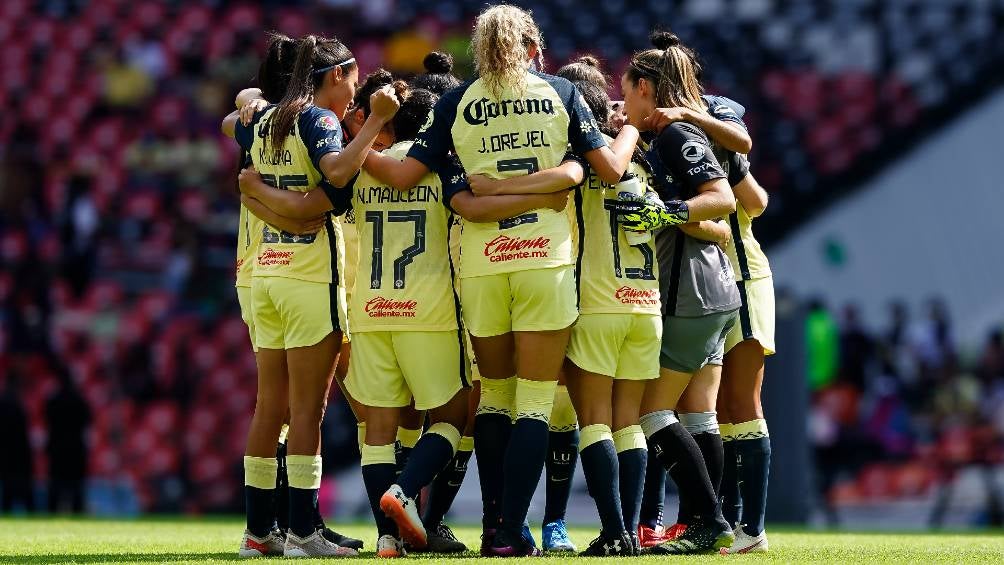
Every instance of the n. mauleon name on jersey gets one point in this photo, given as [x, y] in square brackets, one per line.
[380, 307]
[505, 248]
[479, 112]
[513, 140]
[637, 296]
[388, 195]
[271, 256]
[270, 157]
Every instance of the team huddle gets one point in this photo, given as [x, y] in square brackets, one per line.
[529, 272]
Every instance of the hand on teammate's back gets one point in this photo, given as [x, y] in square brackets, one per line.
[384, 103]
[248, 110]
[662, 117]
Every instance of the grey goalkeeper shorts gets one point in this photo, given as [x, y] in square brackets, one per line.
[689, 344]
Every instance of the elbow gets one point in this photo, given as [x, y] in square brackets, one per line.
[575, 176]
[727, 204]
[758, 210]
[744, 144]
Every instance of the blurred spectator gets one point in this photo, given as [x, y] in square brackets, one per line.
[69, 419]
[822, 346]
[855, 348]
[16, 464]
[79, 230]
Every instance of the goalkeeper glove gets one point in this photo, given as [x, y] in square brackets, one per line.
[639, 213]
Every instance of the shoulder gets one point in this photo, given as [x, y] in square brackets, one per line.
[678, 134]
[314, 118]
[565, 89]
[452, 97]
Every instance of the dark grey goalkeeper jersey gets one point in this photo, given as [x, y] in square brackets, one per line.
[695, 276]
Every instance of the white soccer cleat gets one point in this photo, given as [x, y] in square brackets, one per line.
[389, 547]
[404, 512]
[315, 545]
[254, 546]
[746, 543]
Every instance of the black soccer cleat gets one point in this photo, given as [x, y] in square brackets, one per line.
[602, 546]
[700, 536]
[342, 540]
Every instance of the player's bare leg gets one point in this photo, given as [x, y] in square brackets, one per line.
[744, 369]
[260, 464]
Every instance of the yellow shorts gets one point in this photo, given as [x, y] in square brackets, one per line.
[756, 315]
[292, 313]
[388, 369]
[524, 301]
[622, 346]
[244, 300]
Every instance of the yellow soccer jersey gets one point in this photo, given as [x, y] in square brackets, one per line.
[350, 238]
[316, 132]
[747, 258]
[517, 134]
[248, 237]
[403, 280]
[614, 277]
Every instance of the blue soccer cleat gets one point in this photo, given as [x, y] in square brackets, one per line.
[556, 538]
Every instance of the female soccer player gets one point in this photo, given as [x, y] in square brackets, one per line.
[273, 79]
[614, 345]
[295, 280]
[747, 442]
[699, 298]
[517, 282]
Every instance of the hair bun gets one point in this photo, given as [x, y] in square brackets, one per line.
[438, 62]
[663, 40]
[589, 60]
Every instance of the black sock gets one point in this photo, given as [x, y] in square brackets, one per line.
[524, 463]
[430, 456]
[714, 457]
[258, 503]
[599, 464]
[378, 478]
[729, 493]
[632, 465]
[281, 489]
[562, 454]
[445, 487]
[653, 499]
[677, 451]
[754, 470]
[491, 438]
[302, 502]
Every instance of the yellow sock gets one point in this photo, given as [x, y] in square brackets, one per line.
[534, 399]
[260, 472]
[631, 437]
[593, 433]
[407, 437]
[497, 396]
[447, 431]
[562, 413]
[304, 471]
[378, 454]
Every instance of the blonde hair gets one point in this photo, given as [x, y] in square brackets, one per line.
[500, 43]
[673, 69]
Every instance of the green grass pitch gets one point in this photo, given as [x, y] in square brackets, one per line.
[215, 540]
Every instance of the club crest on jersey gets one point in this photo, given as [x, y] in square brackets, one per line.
[327, 123]
[692, 151]
[479, 112]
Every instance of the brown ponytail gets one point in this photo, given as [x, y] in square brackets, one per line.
[673, 70]
[314, 58]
